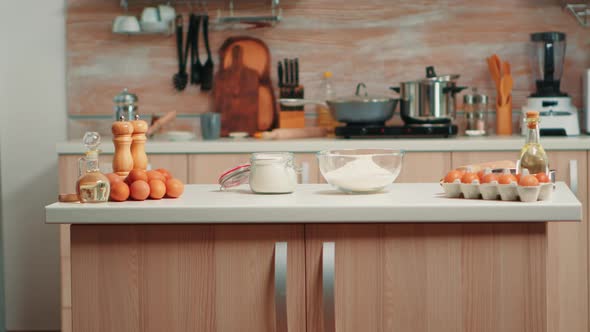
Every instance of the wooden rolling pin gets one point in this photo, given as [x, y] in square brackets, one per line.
[168, 117]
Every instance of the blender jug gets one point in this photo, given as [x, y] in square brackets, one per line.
[548, 54]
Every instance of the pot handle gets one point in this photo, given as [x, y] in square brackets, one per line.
[395, 88]
[358, 89]
[454, 90]
[430, 72]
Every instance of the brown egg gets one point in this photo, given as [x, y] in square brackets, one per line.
[174, 188]
[140, 190]
[165, 172]
[155, 175]
[114, 178]
[136, 175]
[490, 177]
[543, 177]
[469, 178]
[453, 175]
[157, 189]
[507, 179]
[528, 181]
[119, 191]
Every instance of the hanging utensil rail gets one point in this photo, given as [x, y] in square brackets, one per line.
[580, 10]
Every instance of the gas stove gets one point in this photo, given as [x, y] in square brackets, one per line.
[405, 131]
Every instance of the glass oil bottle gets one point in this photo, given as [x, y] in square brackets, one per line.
[532, 155]
[92, 186]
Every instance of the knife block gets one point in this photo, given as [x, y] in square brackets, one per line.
[292, 116]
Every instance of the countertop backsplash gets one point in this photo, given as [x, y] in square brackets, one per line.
[378, 42]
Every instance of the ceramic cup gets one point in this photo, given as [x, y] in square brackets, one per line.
[150, 14]
[126, 24]
[210, 125]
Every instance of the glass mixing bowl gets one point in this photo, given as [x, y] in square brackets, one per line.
[361, 170]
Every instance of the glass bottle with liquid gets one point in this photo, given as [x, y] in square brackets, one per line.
[92, 186]
[532, 155]
[324, 117]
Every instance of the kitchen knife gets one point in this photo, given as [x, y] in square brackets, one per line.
[287, 74]
[296, 71]
[292, 69]
[280, 73]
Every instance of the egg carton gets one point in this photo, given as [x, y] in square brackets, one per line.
[495, 191]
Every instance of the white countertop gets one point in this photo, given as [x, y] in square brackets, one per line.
[226, 145]
[404, 202]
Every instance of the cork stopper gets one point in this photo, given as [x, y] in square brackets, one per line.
[122, 128]
[532, 119]
[532, 115]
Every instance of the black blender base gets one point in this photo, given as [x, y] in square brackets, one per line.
[407, 131]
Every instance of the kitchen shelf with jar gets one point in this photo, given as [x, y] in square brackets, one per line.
[159, 18]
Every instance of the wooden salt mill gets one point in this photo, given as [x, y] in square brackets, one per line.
[122, 160]
[140, 159]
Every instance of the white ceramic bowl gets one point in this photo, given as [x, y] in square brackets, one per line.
[150, 14]
[126, 24]
[362, 170]
[155, 27]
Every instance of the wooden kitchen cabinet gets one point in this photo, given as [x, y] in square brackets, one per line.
[185, 278]
[206, 168]
[424, 166]
[426, 277]
[567, 242]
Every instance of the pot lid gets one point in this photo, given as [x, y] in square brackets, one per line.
[361, 97]
[432, 76]
[125, 97]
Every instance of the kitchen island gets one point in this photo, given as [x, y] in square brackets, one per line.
[316, 260]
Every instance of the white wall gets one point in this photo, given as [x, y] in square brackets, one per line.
[33, 119]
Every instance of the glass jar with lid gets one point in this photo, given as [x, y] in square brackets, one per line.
[267, 173]
[475, 106]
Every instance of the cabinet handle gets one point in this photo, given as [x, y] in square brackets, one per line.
[281, 286]
[328, 274]
[574, 176]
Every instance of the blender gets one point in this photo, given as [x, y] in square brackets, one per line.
[559, 117]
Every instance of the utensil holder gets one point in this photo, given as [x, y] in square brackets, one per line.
[504, 120]
[292, 116]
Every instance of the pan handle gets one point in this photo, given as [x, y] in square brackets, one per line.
[300, 102]
[395, 88]
[454, 90]
[430, 73]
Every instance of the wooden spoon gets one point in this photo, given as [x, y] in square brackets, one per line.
[494, 71]
[506, 89]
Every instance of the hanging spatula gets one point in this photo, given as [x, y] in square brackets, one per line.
[207, 69]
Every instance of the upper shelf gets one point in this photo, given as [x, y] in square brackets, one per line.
[580, 10]
[231, 18]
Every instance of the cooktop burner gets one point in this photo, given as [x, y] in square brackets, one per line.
[409, 131]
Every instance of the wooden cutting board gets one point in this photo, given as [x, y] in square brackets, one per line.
[256, 56]
[236, 95]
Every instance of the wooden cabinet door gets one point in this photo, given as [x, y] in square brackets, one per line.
[567, 258]
[187, 278]
[206, 168]
[426, 277]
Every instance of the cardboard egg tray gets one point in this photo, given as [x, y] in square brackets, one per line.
[495, 191]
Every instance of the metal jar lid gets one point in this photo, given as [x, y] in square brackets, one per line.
[125, 98]
[469, 99]
[481, 99]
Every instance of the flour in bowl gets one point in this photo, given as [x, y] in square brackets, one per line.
[360, 175]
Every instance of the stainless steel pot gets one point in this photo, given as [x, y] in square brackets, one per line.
[361, 108]
[429, 100]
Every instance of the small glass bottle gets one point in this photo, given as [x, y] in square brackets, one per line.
[532, 155]
[92, 186]
[324, 117]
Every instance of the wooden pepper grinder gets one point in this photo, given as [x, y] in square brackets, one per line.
[122, 160]
[140, 159]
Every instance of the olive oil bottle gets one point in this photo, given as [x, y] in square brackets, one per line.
[532, 155]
